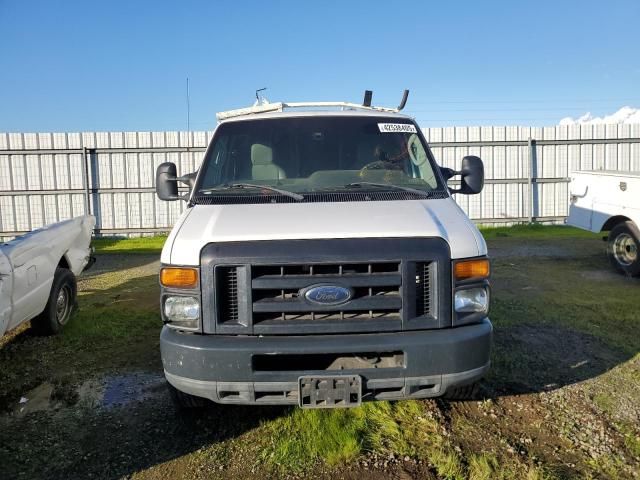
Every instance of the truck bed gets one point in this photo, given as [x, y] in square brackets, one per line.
[28, 264]
[600, 198]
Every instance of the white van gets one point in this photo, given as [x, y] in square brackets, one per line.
[322, 262]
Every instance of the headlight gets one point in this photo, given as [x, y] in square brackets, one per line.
[471, 300]
[182, 312]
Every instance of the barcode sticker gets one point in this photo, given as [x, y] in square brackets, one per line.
[397, 128]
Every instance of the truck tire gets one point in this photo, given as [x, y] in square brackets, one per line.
[464, 392]
[185, 401]
[60, 306]
[624, 248]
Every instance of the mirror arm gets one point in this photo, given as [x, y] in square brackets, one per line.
[449, 173]
[185, 179]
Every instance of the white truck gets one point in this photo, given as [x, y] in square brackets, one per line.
[609, 201]
[322, 261]
[37, 274]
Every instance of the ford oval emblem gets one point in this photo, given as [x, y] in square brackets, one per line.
[327, 294]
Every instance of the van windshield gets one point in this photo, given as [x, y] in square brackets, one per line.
[314, 154]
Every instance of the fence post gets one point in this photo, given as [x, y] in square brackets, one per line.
[533, 177]
[85, 182]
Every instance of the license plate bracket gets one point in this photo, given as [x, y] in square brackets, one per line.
[327, 391]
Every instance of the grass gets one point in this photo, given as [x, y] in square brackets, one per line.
[560, 292]
[305, 437]
[154, 244]
[537, 231]
[147, 245]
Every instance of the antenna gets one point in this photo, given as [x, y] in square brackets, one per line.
[260, 100]
[188, 118]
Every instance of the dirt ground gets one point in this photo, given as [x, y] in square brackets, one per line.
[562, 399]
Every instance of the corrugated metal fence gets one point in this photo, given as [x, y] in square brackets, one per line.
[46, 177]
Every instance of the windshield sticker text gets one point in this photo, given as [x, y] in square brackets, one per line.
[397, 128]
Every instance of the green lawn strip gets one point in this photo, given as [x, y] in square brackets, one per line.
[129, 245]
[154, 244]
[537, 231]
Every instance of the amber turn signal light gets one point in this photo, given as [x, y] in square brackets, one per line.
[467, 269]
[176, 277]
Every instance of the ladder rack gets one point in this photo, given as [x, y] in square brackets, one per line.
[281, 106]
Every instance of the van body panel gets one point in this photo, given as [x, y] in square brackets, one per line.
[205, 224]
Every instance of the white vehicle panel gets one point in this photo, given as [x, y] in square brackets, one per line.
[28, 264]
[385, 219]
[6, 286]
[597, 196]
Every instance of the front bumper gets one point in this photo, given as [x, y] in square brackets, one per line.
[222, 368]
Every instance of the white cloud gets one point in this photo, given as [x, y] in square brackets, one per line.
[624, 115]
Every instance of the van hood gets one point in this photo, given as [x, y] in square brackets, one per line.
[203, 224]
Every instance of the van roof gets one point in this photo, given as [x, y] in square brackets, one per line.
[316, 113]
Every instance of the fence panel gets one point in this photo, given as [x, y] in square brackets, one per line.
[48, 177]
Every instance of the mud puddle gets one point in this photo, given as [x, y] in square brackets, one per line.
[112, 391]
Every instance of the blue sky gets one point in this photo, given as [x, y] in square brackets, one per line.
[122, 65]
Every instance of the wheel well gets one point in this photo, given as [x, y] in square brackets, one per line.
[613, 221]
[63, 263]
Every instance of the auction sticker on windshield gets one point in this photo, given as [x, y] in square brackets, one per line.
[397, 128]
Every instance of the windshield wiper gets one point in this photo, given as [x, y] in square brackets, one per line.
[286, 193]
[390, 186]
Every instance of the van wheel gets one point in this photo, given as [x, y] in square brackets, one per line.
[464, 392]
[60, 306]
[624, 248]
[185, 401]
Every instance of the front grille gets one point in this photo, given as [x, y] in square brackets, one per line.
[258, 288]
[276, 292]
[227, 293]
[424, 272]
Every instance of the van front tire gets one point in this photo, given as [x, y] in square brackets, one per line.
[623, 249]
[60, 305]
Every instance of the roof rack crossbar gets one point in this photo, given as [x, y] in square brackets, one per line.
[281, 106]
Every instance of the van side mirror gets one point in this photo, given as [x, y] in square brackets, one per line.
[167, 182]
[471, 173]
